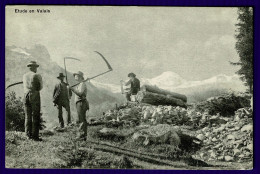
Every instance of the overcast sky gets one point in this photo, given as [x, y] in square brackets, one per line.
[196, 43]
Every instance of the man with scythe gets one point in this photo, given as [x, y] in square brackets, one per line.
[32, 83]
[82, 104]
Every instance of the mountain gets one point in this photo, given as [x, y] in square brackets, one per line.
[194, 90]
[16, 59]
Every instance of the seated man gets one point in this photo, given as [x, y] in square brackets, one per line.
[135, 86]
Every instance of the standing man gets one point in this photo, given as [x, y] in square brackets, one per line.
[61, 96]
[135, 86]
[32, 83]
[82, 104]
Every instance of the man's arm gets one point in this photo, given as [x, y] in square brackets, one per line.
[56, 88]
[128, 83]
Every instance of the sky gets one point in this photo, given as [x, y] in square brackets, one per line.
[195, 42]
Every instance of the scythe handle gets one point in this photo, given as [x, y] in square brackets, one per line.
[92, 77]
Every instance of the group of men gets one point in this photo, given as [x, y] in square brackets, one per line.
[62, 93]
[32, 82]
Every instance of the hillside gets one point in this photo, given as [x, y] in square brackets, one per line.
[16, 60]
[135, 141]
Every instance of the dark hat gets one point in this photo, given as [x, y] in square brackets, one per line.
[32, 63]
[61, 75]
[131, 74]
[79, 73]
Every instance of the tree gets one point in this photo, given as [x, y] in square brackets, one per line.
[244, 45]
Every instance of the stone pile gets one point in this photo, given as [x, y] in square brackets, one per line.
[133, 115]
[129, 115]
[164, 115]
[232, 141]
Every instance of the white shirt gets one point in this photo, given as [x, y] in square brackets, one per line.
[32, 82]
[80, 91]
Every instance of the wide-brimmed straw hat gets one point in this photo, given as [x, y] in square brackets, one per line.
[60, 75]
[131, 74]
[32, 63]
[79, 73]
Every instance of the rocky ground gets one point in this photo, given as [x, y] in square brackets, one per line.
[147, 137]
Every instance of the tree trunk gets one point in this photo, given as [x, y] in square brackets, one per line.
[155, 89]
[159, 99]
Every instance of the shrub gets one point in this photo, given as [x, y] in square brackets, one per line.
[14, 113]
[225, 105]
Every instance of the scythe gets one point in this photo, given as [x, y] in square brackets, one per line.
[66, 68]
[108, 65]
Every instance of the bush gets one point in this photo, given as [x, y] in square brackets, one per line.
[14, 113]
[225, 105]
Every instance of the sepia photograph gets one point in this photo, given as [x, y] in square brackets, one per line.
[129, 87]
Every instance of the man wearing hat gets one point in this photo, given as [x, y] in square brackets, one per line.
[61, 96]
[82, 104]
[32, 83]
[135, 85]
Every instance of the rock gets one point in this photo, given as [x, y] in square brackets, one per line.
[213, 155]
[214, 139]
[230, 137]
[249, 147]
[159, 134]
[221, 158]
[207, 134]
[220, 129]
[147, 114]
[228, 158]
[155, 114]
[247, 128]
[236, 152]
[201, 137]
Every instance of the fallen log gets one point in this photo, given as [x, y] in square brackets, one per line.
[155, 89]
[151, 158]
[159, 99]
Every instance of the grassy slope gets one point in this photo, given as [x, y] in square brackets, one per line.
[59, 151]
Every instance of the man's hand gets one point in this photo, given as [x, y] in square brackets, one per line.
[54, 104]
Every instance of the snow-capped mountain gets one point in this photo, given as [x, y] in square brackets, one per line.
[194, 90]
[172, 81]
[166, 80]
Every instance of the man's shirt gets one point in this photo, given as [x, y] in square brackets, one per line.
[32, 82]
[135, 85]
[81, 92]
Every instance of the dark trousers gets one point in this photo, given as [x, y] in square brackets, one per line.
[127, 95]
[32, 107]
[81, 119]
[65, 105]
